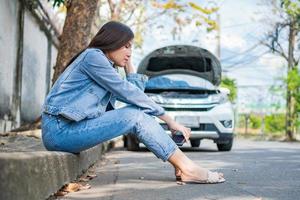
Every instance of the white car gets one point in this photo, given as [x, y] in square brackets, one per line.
[184, 80]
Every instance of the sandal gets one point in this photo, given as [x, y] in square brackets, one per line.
[178, 178]
[178, 175]
[212, 178]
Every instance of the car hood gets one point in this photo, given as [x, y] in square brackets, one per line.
[182, 59]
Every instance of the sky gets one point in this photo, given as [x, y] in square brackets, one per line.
[242, 27]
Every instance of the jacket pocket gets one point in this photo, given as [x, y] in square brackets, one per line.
[85, 105]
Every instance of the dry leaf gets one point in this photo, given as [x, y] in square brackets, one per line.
[72, 187]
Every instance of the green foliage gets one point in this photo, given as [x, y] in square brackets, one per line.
[241, 121]
[255, 121]
[275, 123]
[198, 14]
[292, 8]
[231, 85]
[293, 84]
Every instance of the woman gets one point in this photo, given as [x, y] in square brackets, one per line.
[78, 112]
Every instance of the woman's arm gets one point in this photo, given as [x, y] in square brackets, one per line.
[97, 67]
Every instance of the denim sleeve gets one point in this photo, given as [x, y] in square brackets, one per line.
[98, 68]
[138, 80]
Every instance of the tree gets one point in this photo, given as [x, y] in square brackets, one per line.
[76, 31]
[141, 15]
[288, 25]
[231, 85]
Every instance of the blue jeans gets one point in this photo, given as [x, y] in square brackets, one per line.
[61, 134]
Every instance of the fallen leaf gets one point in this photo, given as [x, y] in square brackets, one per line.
[72, 187]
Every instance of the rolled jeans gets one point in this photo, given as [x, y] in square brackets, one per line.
[61, 134]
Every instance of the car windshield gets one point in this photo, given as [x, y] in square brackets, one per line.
[178, 81]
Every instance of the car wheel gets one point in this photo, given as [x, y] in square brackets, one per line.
[195, 143]
[125, 141]
[132, 143]
[225, 146]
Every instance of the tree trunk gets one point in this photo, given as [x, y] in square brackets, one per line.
[290, 101]
[76, 32]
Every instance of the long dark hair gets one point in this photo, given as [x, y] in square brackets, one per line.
[111, 36]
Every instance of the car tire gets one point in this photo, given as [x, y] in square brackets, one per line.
[195, 143]
[132, 143]
[225, 146]
[125, 141]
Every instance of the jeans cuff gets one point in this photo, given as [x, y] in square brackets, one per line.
[170, 153]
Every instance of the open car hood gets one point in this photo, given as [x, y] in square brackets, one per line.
[182, 59]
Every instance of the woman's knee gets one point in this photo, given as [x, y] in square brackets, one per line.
[138, 119]
[133, 114]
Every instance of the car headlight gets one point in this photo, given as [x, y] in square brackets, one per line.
[219, 98]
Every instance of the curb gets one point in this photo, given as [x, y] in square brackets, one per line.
[36, 175]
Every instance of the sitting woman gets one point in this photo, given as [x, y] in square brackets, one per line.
[79, 113]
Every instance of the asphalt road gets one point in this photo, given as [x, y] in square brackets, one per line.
[253, 170]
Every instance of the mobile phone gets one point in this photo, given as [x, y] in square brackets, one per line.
[178, 138]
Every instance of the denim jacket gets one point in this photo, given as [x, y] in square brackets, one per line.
[90, 83]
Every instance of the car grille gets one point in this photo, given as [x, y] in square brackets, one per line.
[202, 127]
[188, 109]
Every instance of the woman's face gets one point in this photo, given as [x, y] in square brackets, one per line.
[122, 55]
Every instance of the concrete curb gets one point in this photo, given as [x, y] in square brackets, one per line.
[36, 175]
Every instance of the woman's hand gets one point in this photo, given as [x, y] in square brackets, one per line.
[175, 126]
[129, 67]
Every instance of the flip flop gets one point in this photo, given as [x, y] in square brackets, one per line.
[212, 178]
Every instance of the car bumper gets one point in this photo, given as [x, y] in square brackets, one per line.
[209, 122]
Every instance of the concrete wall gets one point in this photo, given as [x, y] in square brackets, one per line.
[34, 84]
[8, 54]
[23, 104]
